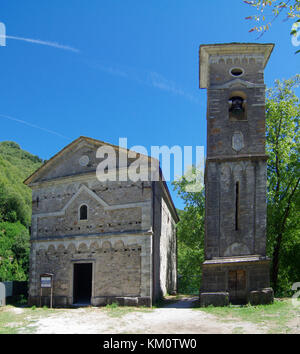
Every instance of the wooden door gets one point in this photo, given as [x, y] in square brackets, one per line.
[237, 286]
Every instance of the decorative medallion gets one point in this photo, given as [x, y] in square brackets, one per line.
[237, 141]
[84, 160]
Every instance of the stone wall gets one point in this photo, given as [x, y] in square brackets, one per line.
[220, 128]
[112, 206]
[165, 244]
[220, 66]
[215, 277]
[117, 237]
[222, 239]
[121, 268]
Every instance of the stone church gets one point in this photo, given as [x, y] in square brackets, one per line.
[236, 268]
[103, 242]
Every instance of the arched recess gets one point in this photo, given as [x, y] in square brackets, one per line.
[61, 248]
[71, 248]
[94, 246]
[106, 245]
[51, 249]
[82, 248]
[119, 245]
[238, 171]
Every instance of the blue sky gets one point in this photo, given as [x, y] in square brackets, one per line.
[117, 68]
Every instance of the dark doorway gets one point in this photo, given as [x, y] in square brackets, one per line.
[82, 283]
[237, 287]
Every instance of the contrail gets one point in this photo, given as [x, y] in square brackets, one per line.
[34, 126]
[149, 78]
[37, 41]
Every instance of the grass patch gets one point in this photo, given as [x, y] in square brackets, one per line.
[273, 318]
[14, 320]
[10, 322]
[238, 330]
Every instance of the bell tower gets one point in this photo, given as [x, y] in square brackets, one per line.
[236, 268]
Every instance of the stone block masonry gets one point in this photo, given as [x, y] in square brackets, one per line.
[104, 242]
[236, 268]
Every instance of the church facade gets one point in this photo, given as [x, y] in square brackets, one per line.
[103, 241]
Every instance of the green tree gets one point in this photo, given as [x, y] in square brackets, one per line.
[12, 205]
[190, 235]
[282, 117]
[15, 198]
[14, 251]
[15, 210]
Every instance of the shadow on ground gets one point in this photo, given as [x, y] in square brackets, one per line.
[179, 302]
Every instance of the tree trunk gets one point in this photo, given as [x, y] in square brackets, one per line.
[276, 252]
[275, 264]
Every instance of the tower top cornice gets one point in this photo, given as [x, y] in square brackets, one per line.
[209, 52]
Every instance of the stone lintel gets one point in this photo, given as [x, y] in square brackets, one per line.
[234, 260]
[241, 157]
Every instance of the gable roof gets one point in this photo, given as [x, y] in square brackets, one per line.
[98, 143]
[67, 148]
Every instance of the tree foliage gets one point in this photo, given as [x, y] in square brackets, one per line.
[15, 210]
[283, 145]
[190, 231]
[269, 10]
[14, 251]
[15, 198]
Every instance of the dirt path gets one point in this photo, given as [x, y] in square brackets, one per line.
[174, 318]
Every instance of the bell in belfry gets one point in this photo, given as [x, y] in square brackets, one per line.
[237, 108]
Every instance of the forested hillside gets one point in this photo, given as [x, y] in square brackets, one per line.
[15, 209]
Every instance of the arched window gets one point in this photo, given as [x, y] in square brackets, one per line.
[237, 106]
[83, 212]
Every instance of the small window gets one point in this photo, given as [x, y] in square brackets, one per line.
[237, 205]
[236, 72]
[83, 212]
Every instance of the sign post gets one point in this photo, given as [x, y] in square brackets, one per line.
[46, 281]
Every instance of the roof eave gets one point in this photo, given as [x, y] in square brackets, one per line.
[206, 50]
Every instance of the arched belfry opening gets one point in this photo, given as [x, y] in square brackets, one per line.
[237, 107]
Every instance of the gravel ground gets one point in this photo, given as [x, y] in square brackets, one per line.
[175, 318]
